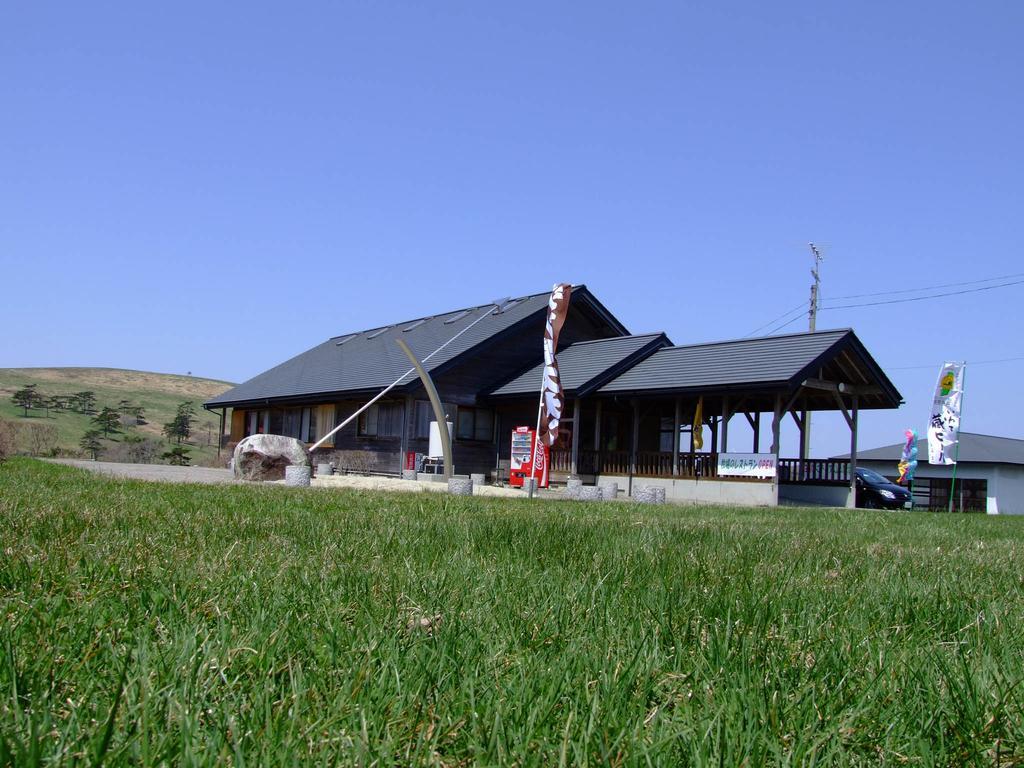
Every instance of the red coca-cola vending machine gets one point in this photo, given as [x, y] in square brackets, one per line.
[522, 463]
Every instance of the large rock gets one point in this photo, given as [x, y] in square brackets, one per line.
[264, 457]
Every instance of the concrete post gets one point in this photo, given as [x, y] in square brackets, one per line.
[296, 476]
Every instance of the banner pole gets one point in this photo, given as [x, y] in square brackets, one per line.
[956, 450]
[536, 439]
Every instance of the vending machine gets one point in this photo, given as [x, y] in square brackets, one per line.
[522, 464]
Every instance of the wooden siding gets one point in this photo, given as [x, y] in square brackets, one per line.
[237, 425]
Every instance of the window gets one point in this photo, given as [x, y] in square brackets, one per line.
[382, 420]
[475, 424]
[299, 423]
[423, 414]
[969, 495]
[256, 422]
[665, 426]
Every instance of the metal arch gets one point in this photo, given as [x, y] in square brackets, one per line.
[435, 402]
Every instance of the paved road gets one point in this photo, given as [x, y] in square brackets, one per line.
[160, 472]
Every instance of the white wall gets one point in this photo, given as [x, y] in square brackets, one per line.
[1010, 489]
[680, 490]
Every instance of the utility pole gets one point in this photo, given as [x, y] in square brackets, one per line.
[812, 321]
[812, 315]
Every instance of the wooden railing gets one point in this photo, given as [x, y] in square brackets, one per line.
[648, 463]
[693, 466]
[817, 471]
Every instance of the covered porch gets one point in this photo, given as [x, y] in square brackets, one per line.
[638, 425]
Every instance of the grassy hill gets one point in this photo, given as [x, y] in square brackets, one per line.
[158, 393]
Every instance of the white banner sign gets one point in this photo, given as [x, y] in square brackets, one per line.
[944, 423]
[760, 465]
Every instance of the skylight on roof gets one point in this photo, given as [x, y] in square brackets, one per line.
[416, 324]
[505, 305]
[378, 332]
[458, 316]
[343, 339]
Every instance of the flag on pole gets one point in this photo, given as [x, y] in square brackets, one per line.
[908, 461]
[552, 398]
[698, 425]
[944, 424]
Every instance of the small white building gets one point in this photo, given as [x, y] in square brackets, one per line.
[989, 474]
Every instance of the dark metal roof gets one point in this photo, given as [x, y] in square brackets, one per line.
[767, 359]
[974, 448]
[585, 365]
[370, 360]
[768, 363]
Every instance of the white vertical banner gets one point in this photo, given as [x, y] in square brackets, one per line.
[944, 423]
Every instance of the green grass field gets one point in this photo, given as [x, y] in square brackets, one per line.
[158, 393]
[151, 623]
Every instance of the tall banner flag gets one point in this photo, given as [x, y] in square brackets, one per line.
[944, 424]
[552, 400]
[697, 430]
[908, 461]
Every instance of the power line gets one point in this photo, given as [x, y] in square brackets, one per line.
[784, 325]
[926, 288]
[799, 307]
[972, 362]
[925, 298]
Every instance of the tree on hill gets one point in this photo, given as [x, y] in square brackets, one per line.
[138, 449]
[85, 402]
[90, 443]
[26, 398]
[178, 456]
[40, 439]
[131, 413]
[180, 427]
[50, 403]
[108, 420]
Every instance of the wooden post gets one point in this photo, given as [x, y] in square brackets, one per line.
[675, 437]
[725, 424]
[714, 435]
[776, 425]
[757, 431]
[853, 453]
[575, 436]
[598, 464]
[636, 440]
[801, 423]
[407, 410]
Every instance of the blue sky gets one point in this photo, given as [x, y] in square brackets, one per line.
[213, 188]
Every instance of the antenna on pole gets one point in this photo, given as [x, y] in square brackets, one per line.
[812, 315]
[812, 321]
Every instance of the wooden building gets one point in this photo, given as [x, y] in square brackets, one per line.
[630, 398]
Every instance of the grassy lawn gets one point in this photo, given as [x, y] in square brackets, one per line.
[151, 623]
[159, 393]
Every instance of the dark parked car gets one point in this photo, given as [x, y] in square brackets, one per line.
[875, 492]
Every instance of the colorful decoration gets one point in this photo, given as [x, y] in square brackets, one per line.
[908, 461]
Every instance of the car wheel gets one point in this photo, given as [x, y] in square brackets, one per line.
[870, 503]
